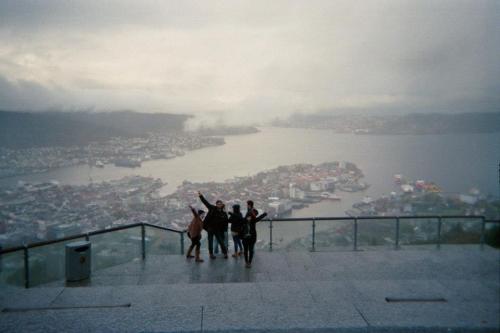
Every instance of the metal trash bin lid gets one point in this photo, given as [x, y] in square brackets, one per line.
[78, 246]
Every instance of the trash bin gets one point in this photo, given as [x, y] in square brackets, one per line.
[78, 261]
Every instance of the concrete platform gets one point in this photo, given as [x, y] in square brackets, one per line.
[456, 289]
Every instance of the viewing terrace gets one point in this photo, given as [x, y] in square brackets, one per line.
[141, 281]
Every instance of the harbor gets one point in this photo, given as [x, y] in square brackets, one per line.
[40, 211]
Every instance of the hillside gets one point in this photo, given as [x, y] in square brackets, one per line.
[25, 129]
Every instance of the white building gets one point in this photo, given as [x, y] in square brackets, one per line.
[296, 193]
[467, 199]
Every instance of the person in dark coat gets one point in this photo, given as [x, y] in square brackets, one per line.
[215, 222]
[249, 232]
[223, 228]
[236, 219]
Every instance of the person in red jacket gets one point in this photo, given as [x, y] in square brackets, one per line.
[194, 233]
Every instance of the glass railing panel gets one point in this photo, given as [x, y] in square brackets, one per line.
[116, 247]
[492, 234]
[334, 235]
[287, 236]
[418, 233]
[263, 233]
[164, 242]
[12, 269]
[47, 262]
[460, 231]
[376, 233]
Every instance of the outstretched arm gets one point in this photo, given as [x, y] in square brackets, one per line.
[260, 217]
[205, 202]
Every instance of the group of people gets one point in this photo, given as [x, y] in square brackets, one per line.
[215, 222]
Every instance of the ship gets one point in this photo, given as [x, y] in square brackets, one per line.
[420, 184]
[406, 188]
[127, 162]
[330, 196]
[433, 188]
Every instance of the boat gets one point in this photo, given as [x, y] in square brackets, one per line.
[433, 188]
[420, 184]
[330, 196]
[127, 162]
[367, 200]
[406, 188]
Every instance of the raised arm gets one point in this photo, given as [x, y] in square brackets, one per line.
[195, 213]
[205, 202]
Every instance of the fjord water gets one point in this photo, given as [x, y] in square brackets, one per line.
[456, 162]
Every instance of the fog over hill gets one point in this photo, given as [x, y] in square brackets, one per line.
[414, 123]
[40, 129]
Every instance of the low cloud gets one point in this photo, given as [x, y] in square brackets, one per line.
[236, 62]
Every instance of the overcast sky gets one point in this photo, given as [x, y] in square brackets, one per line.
[254, 58]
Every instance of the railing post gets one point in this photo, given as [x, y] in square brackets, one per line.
[182, 242]
[143, 241]
[26, 267]
[355, 248]
[483, 233]
[313, 235]
[270, 234]
[439, 233]
[396, 244]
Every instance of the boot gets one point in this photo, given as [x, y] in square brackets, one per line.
[188, 254]
[198, 259]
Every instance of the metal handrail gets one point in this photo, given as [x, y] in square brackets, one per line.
[385, 217]
[395, 218]
[25, 248]
[297, 219]
[86, 235]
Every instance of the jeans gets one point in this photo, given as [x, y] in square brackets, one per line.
[219, 236]
[248, 247]
[225, 240]
[238, 246]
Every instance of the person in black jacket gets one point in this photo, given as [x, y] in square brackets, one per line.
[236, 219]
[223, 227]
[214, 223]
[249, 232]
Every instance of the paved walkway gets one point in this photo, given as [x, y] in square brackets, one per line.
[456, 289]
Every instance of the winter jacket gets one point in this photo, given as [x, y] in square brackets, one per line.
[216, 220]
[236, 221]
[196, 225]
[251, 220]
